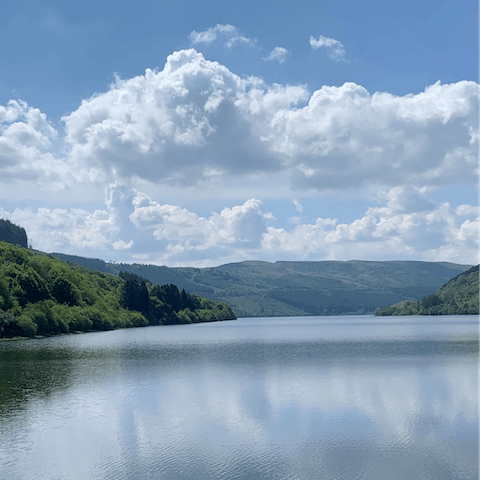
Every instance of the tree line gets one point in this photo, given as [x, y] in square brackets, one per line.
[459, 296]
[14, 234]
[169, 304]
[41, 295]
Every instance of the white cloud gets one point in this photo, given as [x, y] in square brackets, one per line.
[406, 199]
[137, 226]
[241, 226]
[195, 123]
[198, 126]
[346, 137]
[178, 125]
[279, 54]
[467, 210]
[121, 245]
[336, 50]
[415, 230]
[230, 33]
[25, 139]
[66, 230]
[298, 206]
[134, 227]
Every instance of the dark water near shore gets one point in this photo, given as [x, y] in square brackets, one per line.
[278, 398]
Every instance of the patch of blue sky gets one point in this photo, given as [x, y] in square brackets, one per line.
[458, 194]
[60, 52]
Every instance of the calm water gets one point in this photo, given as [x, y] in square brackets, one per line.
[279, 398]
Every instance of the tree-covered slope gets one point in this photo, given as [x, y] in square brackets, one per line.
[43, 295]
[255, 288]
[11, 233]
[460, 296]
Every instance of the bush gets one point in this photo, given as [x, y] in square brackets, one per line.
[28, 327]
[9, 325]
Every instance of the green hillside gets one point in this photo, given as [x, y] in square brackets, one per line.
[257, 288]
[41, 295]
[460, 296]
[11, 233]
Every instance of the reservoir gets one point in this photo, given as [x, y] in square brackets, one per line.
[297, 398]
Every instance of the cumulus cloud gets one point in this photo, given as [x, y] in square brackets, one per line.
[183, 124]
[467, 210]
[278, 54]
[197, 122]
[336, 50]
[25, 140]
[401, 229]
[134, 227]
[229, 33]
[241, 226]
[345, 137]
[65, 230]
[406, 199]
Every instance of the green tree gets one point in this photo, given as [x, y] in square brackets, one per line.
[11, 233]
[65, 292]
[6, 301]
[42, 295]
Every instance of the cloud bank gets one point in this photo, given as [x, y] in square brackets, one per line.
[406, 225]
[195, 122]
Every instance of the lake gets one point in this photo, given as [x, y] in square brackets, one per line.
[351, 397]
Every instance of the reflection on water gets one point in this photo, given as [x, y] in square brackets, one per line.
[298, 398]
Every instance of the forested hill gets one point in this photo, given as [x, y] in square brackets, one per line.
[255, 288]
[12, 233]
[41, 295]
[460, 296]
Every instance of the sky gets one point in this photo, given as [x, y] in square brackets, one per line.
[186, 133]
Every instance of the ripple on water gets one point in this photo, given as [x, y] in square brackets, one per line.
[307, 402]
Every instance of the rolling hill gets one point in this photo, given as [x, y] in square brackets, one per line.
[255, 288]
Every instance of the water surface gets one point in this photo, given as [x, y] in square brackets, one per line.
[276, 398]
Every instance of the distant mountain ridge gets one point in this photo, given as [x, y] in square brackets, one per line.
[256, 288]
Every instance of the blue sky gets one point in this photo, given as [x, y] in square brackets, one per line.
[262, 130]
[62, 51]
